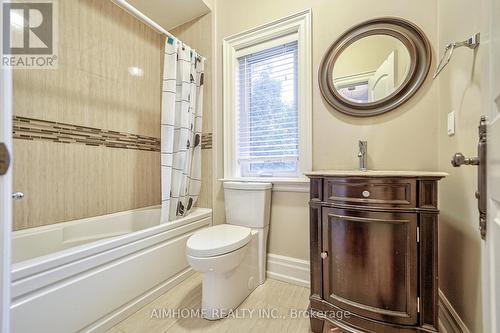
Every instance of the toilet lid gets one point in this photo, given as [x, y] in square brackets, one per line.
[217, 240]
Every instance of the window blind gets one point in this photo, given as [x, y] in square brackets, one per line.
[267, 112]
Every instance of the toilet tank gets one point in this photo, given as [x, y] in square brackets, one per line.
[247, 204]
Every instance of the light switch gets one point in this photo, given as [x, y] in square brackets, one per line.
[451, 123]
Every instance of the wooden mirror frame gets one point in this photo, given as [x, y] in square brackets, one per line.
[407, 33]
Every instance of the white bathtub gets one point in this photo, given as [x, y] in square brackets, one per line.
[87, 275]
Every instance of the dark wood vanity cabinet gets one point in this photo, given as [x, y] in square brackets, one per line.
[374, 252]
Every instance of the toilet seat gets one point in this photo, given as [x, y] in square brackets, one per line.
[217, 240]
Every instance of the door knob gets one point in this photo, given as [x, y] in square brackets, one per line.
[324, 255]
[459, 159]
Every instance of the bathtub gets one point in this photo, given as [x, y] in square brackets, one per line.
[87, 275]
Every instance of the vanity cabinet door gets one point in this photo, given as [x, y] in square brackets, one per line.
[370, 267]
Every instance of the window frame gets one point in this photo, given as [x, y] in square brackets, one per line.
[261, 38]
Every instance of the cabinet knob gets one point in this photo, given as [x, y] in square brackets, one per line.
[324, 255]
[366, 194]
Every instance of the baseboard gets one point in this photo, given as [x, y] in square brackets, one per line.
[125, 311]
[449, 320]
[288, 269]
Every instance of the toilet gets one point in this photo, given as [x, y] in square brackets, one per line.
[232, 256]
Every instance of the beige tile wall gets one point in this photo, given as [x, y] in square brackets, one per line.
[64, 182]
[98, 42]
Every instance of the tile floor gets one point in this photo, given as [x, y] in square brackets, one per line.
[273, 298]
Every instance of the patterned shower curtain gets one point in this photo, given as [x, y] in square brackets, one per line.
[181, 120]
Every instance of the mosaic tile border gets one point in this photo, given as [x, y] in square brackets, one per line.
[206, 141]
[44, 130]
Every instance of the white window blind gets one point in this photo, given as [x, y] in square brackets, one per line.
[267, 112]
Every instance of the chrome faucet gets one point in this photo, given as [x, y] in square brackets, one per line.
[362, 154]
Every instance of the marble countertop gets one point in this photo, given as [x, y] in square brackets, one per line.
[377, 173]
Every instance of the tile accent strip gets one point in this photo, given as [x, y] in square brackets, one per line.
[45, 130]
[206, 141]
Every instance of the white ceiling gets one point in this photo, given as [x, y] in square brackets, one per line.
[171, 13]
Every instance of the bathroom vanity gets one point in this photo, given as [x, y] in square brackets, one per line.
[374, 253]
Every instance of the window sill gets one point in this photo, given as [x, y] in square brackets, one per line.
[300, 185]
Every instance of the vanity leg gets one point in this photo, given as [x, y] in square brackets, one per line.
[317, 325]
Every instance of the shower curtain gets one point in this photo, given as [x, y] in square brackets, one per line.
[181, 120]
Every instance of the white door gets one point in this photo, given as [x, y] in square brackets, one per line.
[5, 193]
[491, 246]
[382, 83]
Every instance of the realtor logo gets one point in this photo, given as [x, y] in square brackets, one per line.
[29, 34]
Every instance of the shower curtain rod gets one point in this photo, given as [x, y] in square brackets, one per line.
[137, 13]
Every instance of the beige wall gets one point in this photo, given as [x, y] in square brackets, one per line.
[98, 41]
[198, 34]
[460, 90]
[402, 139]
[289, 228]
[210, 4]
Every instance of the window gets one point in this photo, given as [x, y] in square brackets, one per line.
[267, 102]
[355, 92]
[267, 112]
[355, 87]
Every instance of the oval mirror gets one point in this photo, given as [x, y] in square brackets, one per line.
[375, 67]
